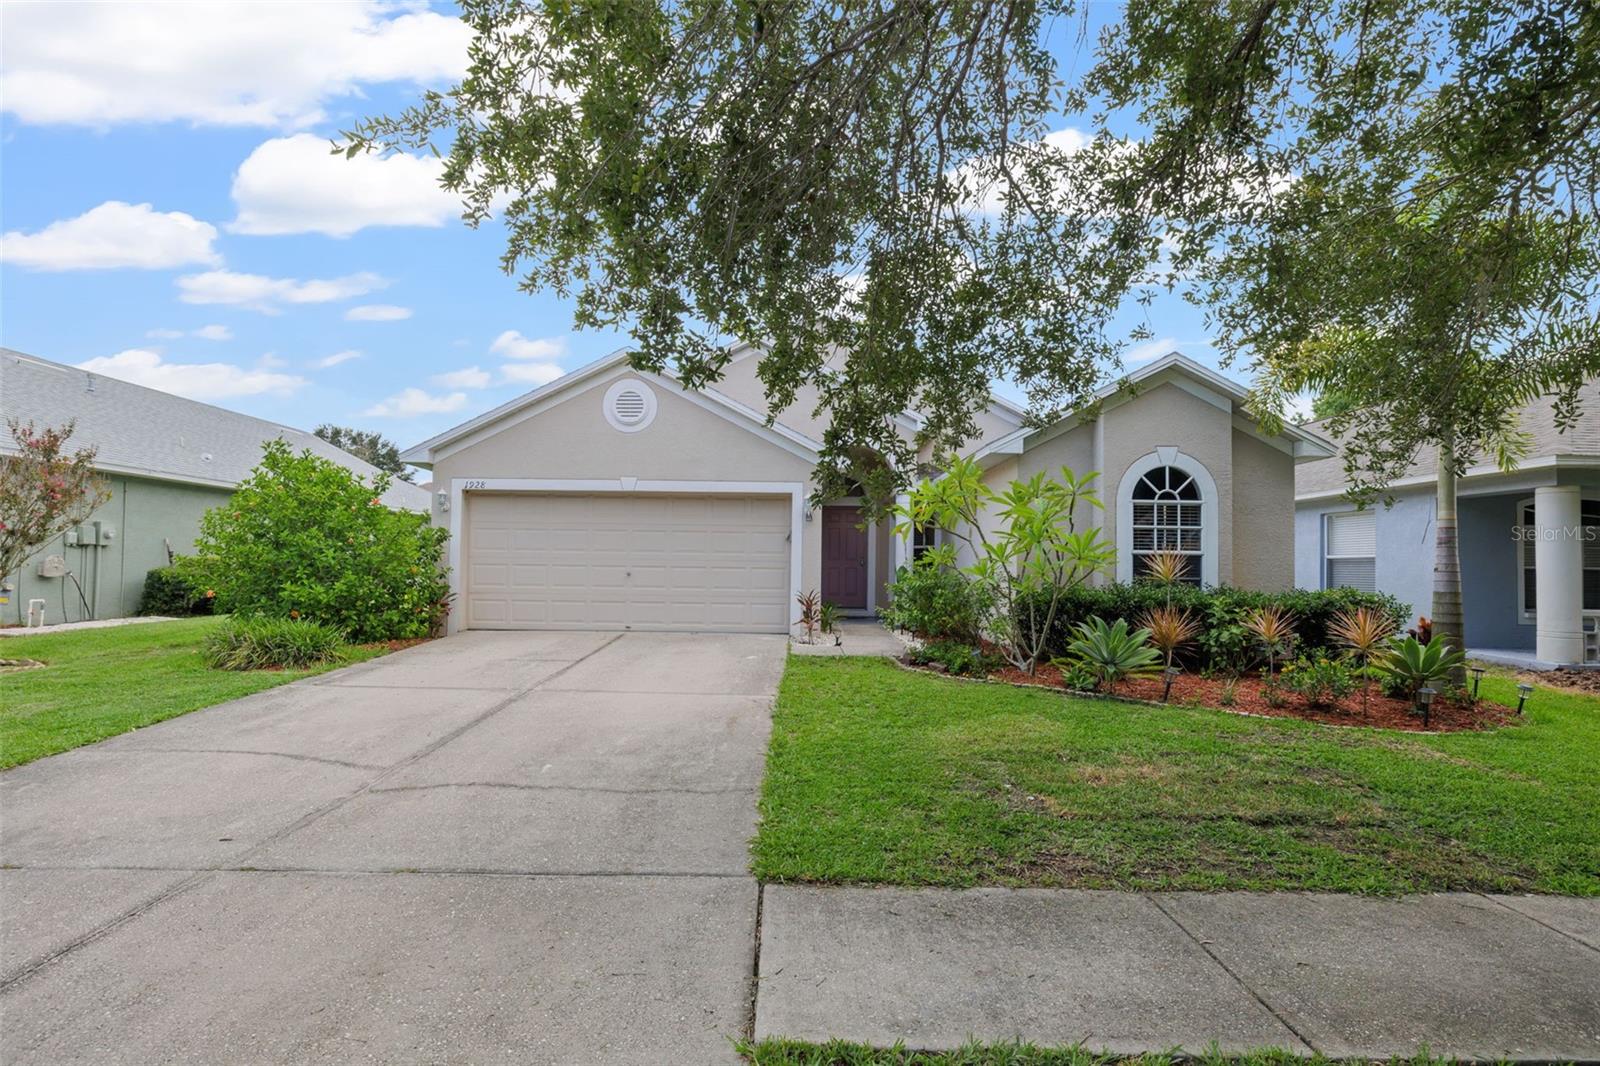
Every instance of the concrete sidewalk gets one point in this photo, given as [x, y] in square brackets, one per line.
[1482, 977]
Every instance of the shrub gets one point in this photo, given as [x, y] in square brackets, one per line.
[177, 590]
[271, 643]
[303, 537]
[1224, 645]
[1110, 652]
[937, 602]
[957, 658]
[1318, 679]
[1170, 628]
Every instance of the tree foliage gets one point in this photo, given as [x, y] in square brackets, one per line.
[367, 445]
[44, 490]
[304, 538]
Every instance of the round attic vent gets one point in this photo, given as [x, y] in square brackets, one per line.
[630, 405]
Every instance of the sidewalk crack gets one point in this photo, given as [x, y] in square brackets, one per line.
[1242, 983]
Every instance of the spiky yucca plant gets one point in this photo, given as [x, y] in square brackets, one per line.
[1170, 629]
[1273, 628]
[1364, 632]
[1166, 568]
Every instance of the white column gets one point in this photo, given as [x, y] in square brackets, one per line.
[1558, 559]
[899, 547]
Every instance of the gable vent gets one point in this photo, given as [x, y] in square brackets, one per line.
[630, 405]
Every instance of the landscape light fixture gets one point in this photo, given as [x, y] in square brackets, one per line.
[1425, 697]
[1477, 676]
[1524, 690]
[1171, 674]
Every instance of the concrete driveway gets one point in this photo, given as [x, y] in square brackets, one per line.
[497, 847]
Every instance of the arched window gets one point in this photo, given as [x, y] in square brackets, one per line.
[1168, 514]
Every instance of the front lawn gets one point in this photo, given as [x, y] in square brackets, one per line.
[101, 682]
[877, 774]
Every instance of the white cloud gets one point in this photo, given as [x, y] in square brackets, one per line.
[513, 345]
[225, 62]
[1155, 349]
[260, 293]
[295, 185]
[198, 381]
[271, 361]
[336, 358]
[377, 313]
[408, 403]
[471, 377]
[530, 373]
[113, 235]
[214, 333]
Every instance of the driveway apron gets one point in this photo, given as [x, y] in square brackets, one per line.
[496, 847]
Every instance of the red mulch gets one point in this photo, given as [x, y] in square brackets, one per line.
[1383, 712]
[396, 645]
[1585, 681]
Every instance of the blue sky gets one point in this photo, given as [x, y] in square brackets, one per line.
[171, 216]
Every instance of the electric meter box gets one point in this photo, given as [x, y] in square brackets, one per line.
[108, 533]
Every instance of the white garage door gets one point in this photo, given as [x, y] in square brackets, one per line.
[622, 561]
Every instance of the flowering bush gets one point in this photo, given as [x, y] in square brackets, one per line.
[43, 490]
[304, 538]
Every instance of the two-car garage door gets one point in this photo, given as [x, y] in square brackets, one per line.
[627, 561]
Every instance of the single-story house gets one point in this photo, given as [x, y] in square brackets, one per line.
[614, 499]
[168, 460]
[1529, 541]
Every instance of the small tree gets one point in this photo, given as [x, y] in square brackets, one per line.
[43, 490]
[1031, 558]
[303, 537]
[367, 445]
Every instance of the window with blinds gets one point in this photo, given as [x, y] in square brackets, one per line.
[1350, 551]
[1527, 546]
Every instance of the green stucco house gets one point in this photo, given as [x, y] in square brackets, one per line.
[167, 460]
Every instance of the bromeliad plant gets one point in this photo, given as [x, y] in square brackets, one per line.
[1110, 652]
[1044, 544]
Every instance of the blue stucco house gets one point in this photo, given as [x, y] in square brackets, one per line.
[1529, 541]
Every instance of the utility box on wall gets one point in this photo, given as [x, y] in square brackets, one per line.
[53, 566]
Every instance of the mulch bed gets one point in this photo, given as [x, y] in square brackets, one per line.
[1585, 681]
[395, 645]
[1383, 712]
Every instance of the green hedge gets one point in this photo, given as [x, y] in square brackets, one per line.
[1224, 643]
[175, 591]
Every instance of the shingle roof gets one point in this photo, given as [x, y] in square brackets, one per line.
[1325, 477]
[143, 431]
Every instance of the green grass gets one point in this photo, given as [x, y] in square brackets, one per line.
[879, 775]
[101, 682]
[839, 1053]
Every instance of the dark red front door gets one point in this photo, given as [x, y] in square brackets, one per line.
[844, 557]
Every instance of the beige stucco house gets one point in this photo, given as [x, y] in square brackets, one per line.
[614, 499]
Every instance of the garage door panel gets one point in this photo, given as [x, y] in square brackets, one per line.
[625, 561]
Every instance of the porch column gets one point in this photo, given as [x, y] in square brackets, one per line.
[1558, 559]
[899, 547]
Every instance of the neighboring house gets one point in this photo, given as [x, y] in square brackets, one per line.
[167, 461]
[614, 499]
[1529, 541]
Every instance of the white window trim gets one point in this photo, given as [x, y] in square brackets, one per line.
[1328, 558]
[1524, 616]
[1168, 456]
[872, 561]
[460, 486]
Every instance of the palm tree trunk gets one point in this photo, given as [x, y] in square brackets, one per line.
[1449, 621]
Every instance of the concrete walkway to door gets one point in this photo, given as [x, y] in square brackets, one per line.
[498, 847]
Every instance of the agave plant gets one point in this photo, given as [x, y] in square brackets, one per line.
[1412, 665]
[1170, 629]
[1363, 631]
[1111, 652]
[1273, 628]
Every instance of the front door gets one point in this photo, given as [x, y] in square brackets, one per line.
[844, 558]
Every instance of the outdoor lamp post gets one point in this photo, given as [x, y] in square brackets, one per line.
[1171, 674]
[1524, 690]
[1477, 676]
[1425, 697]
